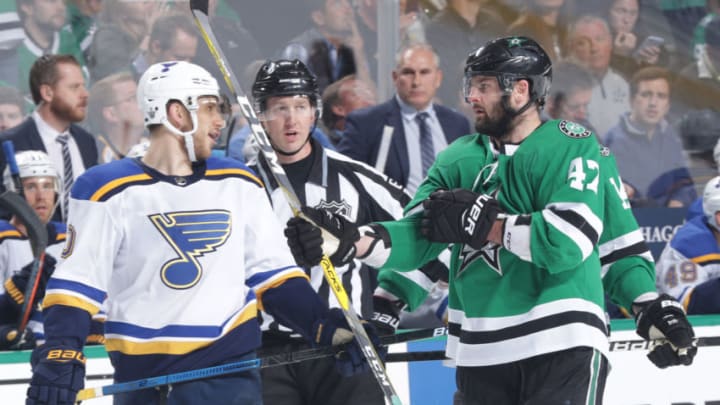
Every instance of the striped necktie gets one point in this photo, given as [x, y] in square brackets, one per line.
[427, 150]
[68, 178]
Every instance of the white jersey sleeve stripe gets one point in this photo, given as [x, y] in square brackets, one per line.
[172, 339]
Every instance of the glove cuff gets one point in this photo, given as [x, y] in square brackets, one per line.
[516, 236]
[14, 292]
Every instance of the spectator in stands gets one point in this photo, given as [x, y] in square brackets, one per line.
[546, 21]
[45, 33]
[688, 268]
[82, 17]
[340, 99]
[570, 96]
[682, 17]
[700, 132]
[114, 116]
[412, 21]
[590, 45]
[333, 47]
[698, 85]
[123, 32]
[237, 43]
[58, 89]
[402, 136]
[11, 35]
[454, 32]
[173, 37]
[631, 49]
[12, 108]
[698, 46]
[647, 148]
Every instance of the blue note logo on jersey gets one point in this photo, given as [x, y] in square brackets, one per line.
[191, 234]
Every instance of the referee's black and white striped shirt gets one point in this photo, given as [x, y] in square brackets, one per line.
[332, 181]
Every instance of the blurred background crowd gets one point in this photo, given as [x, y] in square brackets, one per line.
[640, 73]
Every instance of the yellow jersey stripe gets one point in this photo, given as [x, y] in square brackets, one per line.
[277, 282]
[71, 301]
[108, 187]
[706, 258]
[237, 171]
[11, 232]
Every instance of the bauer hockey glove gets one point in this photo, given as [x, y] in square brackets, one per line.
[58, 375]
[386, 315]
[16, 285]
[663, 319]
[459, 215]
[10, 339]
[307, 244]
[333, 330]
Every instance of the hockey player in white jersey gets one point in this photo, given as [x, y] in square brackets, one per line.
[186, 249]
[40, 185]
[689, 266]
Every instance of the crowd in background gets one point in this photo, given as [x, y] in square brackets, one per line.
[602, 50]
[641, 74]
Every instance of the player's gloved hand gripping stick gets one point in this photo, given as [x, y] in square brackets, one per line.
[199, 10]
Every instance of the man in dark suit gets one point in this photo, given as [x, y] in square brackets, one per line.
[58, 89]
[402, 136]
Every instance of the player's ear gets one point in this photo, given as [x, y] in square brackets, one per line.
[176, 114]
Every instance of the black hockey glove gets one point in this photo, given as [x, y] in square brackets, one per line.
[386, 315]
[333, 330]
[459, 215]
[664, 319]
[58, 375]
[337, 240]
[305, 241]
[10, 339]
[17, 284]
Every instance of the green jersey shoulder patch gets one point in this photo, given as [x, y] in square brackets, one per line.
[573, 130]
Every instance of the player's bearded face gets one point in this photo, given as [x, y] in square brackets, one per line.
[495, 122]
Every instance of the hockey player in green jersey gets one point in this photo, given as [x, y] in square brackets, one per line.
[529, 207]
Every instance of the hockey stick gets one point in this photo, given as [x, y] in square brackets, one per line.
[199, 9]
[36, 231]
[265, 360]
[403, 357]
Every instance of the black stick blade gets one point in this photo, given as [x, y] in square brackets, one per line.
[199, 5]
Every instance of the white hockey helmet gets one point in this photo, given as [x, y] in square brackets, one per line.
[711, 201]
[175, 80]
[32, 163]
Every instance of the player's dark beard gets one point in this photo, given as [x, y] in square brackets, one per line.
[495, 127]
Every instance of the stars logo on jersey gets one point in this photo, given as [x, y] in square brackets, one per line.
[336, 207]
[490, 253]
[192, 234]
[487, 179]
[573, 130]
[515, 41]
